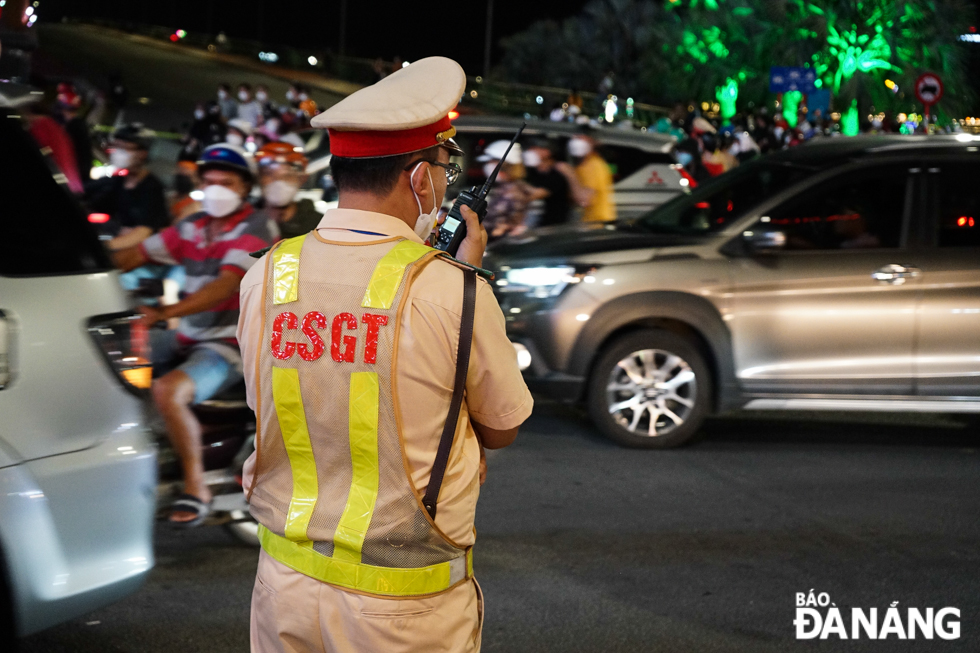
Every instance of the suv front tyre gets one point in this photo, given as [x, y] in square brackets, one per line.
[650, 389]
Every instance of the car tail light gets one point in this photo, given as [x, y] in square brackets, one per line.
[98, 218]
[125, 342]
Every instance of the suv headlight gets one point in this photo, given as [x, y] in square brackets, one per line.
[540, 282]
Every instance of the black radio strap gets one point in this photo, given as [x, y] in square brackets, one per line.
[462, 365]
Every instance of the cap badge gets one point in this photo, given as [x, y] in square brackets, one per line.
[442, 137]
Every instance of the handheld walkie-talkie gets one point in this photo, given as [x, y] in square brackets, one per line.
[453, 230]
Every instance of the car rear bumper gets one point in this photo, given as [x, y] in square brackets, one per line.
[77, 529]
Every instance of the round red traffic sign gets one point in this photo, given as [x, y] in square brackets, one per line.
[929, 89]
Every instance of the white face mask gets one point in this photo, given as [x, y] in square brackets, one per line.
[220, 201]
[199, 114]
[235, 139]
[261, 96]
[488, 168]
[425, 221]
[121, 159]
[290, 95]
[579, 147]
[222, 94]
[532, 159]
[243, 96]
[279, 192]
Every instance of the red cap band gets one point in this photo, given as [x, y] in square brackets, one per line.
[363, 144]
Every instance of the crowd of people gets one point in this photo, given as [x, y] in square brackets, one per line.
[539, 186]
[250, 118]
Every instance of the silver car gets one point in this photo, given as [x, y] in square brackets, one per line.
[840, 275]
[77, 470]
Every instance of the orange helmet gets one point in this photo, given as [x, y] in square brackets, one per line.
[309, 107]
[278, 152]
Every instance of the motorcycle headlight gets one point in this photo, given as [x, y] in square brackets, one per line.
[540, 282]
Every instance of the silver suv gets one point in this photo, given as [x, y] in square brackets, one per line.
[840, 275]
[77, 471]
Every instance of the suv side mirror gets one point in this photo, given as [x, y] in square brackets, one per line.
[764, 242]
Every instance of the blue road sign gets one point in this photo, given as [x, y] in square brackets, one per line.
[787, 78]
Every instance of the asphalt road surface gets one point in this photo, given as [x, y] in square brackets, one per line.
[587, 547]
[168, 79]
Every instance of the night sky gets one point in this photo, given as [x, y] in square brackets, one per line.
[410, 29]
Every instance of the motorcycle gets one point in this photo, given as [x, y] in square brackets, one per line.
[227, 440]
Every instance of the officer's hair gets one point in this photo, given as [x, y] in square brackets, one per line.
[377, 175]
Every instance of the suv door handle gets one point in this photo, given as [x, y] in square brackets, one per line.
[896, 274]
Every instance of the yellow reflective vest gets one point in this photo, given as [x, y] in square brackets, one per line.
[332, 492]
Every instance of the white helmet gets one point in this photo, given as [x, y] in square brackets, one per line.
[495, 152]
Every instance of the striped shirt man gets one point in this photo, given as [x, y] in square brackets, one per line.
[204, 256]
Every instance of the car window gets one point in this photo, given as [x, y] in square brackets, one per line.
[723, 199]
[43, 231]
[854, 211]
[959, 206]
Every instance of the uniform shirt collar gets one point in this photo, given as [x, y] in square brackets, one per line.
[358, 220]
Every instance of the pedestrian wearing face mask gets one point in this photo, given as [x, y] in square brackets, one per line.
[556, 179]
[206, 129]
[508, 202]
[262, 97]
[201, 358]
[238, 132]
[249, 109]
[133, 197]
[595, 179]
[282, 171]
[228, 105]
[358, 342]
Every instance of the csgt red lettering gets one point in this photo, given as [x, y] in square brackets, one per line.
[311, 320]
[374, 322]
[343, 348]
[290, 321]
[349, 342]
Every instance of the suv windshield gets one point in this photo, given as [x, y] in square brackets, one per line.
[714, 205]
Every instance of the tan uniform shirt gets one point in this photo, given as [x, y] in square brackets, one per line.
[496, 395]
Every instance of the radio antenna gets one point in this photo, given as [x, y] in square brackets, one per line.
[493, 175]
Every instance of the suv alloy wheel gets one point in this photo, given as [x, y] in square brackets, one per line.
[650, 389]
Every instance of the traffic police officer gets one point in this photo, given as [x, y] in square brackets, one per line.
[350, 338]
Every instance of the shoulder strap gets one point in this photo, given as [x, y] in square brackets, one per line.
[462, 365]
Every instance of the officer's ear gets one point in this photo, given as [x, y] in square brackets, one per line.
[419, 178]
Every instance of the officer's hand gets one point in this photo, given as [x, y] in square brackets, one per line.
[472, 248]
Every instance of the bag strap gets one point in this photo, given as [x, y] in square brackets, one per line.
[462, 365]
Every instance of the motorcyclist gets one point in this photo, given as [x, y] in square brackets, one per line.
[282, 171]
[133, 197]
[201, 358]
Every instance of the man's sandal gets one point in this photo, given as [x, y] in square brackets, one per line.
[189, 503]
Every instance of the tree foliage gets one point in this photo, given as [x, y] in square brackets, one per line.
[678, 50]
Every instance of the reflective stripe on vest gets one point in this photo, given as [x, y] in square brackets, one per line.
[387, 276]
[383, 581]
[363, 495]
[285, 270]
[292, 422]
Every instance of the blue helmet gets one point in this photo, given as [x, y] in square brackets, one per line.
[225, 156]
